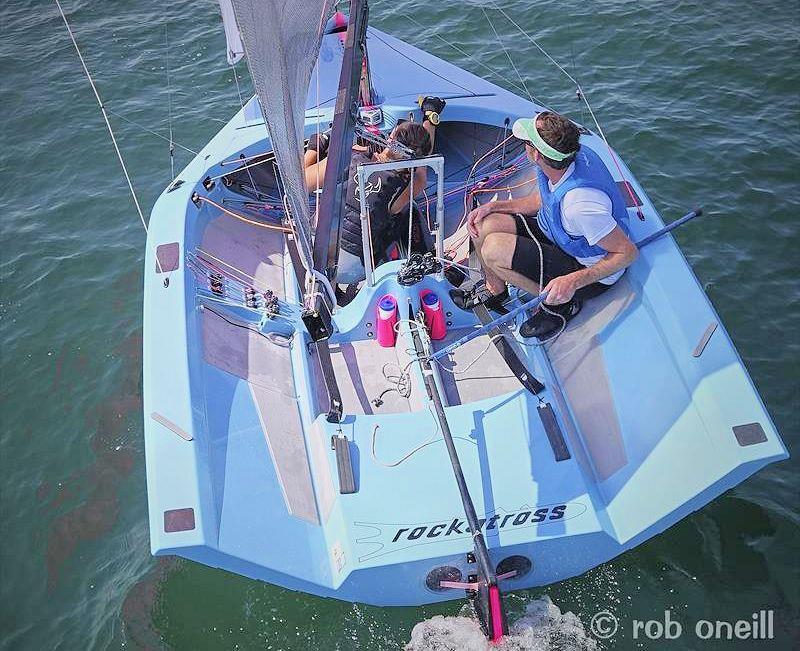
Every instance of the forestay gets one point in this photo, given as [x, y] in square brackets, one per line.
[281, 41]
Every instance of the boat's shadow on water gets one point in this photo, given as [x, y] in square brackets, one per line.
[91, 494]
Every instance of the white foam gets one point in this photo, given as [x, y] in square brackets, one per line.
[543, 627]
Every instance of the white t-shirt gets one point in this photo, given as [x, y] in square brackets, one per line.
[587, 212]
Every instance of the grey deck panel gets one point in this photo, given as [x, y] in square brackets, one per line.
[257, 252]
[577, 359]
[265, 365]
[487, 377]
[359, 368]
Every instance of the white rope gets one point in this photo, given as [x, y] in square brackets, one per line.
[460, 371]
[451, 263]
[542, 306]
[327, 285]
[108, 126]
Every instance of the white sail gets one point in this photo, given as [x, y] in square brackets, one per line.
[281, 40]
[232, 37]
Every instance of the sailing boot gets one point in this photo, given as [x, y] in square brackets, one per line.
[467, 299]
[543, 324]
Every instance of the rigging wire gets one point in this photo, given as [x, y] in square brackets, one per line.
[169, 104]
[105, 117]
[150, 131]
[466, 54]
[241, 105]
[508, 56]
[582, 96]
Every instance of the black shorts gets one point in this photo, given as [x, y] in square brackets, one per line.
[556, 262]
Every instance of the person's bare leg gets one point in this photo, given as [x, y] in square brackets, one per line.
[309, 158]
[498, 251]
[494, 223]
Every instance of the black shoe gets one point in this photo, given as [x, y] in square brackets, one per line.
[345, 296]
[467, 299]
[455, 276]
[543, 324]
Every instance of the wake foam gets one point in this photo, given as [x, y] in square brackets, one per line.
[543, 627]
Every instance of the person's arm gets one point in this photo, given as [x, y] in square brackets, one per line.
[315, 174]
[315, 161]
[403, 199]
[527, 205]
[621, 253]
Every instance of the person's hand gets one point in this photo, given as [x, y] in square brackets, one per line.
[432, 108]
[476, 216]
[561, 290]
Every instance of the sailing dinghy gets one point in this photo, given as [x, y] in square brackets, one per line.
[285, 444]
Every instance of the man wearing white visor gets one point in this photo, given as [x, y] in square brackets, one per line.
[571, 236]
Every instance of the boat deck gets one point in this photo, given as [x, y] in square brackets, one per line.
[657, 410]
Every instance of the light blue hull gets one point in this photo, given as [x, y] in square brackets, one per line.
[240, 470]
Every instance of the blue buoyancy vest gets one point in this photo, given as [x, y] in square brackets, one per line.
[589, 172]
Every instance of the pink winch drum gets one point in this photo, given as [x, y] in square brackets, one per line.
[434, 314]
[385, 319]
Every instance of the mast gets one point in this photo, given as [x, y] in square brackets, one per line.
[340, 150]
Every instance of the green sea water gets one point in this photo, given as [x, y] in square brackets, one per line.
[700, 99]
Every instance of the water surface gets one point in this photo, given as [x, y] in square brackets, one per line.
[700, 99]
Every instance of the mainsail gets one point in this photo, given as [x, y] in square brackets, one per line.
[281, 41]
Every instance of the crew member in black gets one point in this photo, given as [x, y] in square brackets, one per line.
[387, 192]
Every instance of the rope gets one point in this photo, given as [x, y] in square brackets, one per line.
[393, 464]
[270, 336]
[230, 213]
[411, 212]
[542, 306]
[469, 366]
[255, 281]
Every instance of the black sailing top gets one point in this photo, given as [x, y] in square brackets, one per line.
[381, 190]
